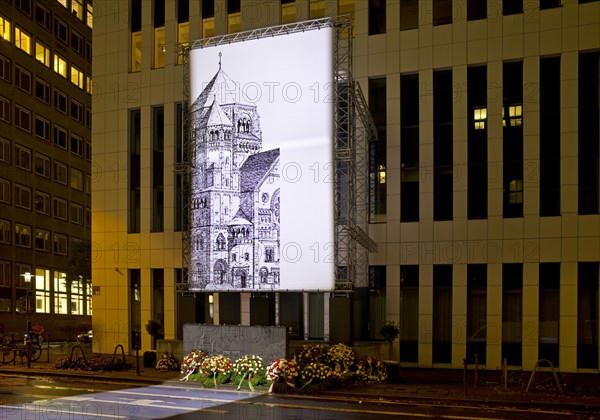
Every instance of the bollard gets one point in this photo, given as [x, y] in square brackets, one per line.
[476, 370]
[505, 368]
[465, 374]
[137, 361]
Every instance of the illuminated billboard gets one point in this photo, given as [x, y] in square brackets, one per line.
[261, 200]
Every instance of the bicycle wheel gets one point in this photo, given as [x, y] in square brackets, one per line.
[8, 355]
[35, 351]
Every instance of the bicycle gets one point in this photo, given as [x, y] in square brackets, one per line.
[9, 347]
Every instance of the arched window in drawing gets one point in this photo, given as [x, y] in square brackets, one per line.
[220, 242]
[240, 277]
[263, 273]
[244, 124]
[220, 271]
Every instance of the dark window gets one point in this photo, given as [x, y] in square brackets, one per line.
[512, 141]
[409, 14]
[42, 91]
[587, 315]
[477, 143]
[476, 313]
[409, 148]
[42, 17]
[23, 79]
[376, 17]
[159, 13]
[512, 313]
[442, 12]
[183, 11]
[442, 314]
[548, 4]
[61, 30]
[589, 132]
[442, 145]
[60, 101]
[476, 9]
[5, 73]
[179, 141]
[208, 9]
[24, 6]
[158, 132]
[512, 7]
[550, 136]
[136, 15]
[233, 6]
[77, 43]
[409, 313]
[377, 161]
[134, 170]
[549, 312]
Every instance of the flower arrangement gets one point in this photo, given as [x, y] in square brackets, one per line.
[215, 370]
[370, 369]
[311, 353]
[167, 363]
[340, 357]
[250, 367]
[285, 369]
[314, 372]
[191, 363]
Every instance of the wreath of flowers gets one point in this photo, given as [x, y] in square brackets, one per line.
[167, 363]
[285, 369]
[370, 369]
[191, 363]
[311, 353]
[249, 367]
[315, 371]
[217, 368]
[340, 357]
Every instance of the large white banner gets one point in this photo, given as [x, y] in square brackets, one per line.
[263, 173]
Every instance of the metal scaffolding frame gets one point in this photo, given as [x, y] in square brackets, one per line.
[354, 129]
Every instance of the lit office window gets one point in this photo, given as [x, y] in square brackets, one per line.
[288, 11]
[22, 40]
[479, 118]
[77, 77]
[77, 8]
[317, 9]
[233, 16]
[5, 28]
[42, 53]
[90, 15]
[60, 65]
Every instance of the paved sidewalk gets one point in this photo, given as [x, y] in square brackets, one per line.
[580, 391]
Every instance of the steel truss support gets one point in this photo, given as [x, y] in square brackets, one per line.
[354, 129]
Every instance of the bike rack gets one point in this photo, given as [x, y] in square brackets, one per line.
[122, 353]
[535, 369]
[77, 346]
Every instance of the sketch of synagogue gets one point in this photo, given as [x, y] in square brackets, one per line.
[235, 194]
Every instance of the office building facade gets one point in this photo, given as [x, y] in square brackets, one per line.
[484, 185]
[45, 166]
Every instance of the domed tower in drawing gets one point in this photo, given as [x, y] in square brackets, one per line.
[234, 234]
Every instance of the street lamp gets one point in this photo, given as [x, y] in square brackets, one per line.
[27, 278]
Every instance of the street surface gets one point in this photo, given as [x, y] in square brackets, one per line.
[68, 398]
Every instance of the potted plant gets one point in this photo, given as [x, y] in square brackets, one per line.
[390, 332]
[153, 327]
